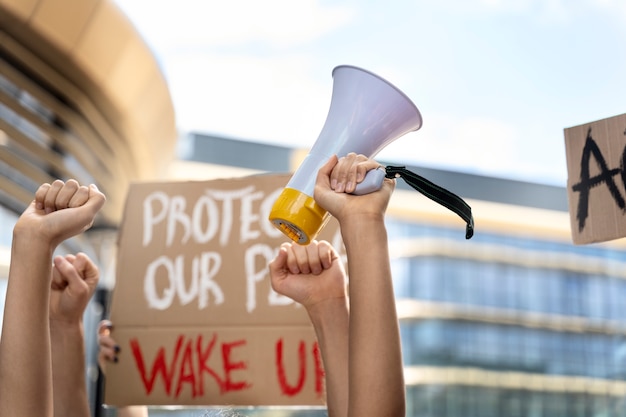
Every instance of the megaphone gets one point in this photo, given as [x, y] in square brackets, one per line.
[366, 114]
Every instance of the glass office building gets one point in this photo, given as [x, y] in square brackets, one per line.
[509, 326]
[517, 321]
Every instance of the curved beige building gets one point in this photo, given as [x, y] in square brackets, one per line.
[81, 96]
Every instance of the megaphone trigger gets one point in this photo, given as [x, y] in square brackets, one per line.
[373, 181]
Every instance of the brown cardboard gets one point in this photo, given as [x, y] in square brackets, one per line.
[192, 288]
[596, 185]
[223, 366]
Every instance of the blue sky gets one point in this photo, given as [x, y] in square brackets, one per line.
[496, 81]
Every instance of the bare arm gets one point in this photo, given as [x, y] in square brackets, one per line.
[68, 375]
[331, 322]
[375, 357]
[25, 369]
[74, 280]
[60, 210]
[313, 276]
[358, 335]
[133, 411]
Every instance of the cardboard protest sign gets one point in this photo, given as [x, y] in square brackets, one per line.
[596, 185]
[193, 309]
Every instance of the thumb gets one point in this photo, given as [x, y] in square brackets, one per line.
[279, 262]
[92, 206]
[68, 269]
[87, 269]
[327, 254]
[278, 268]
[67, 273]
[58, 281]
[326, 169]
[96, 200]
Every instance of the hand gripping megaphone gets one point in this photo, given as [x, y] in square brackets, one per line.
[366, 114]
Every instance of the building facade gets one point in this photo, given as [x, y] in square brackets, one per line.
[510, 326]
[517, 321]
[83, 97]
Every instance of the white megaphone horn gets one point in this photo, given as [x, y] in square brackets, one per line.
[366, 114]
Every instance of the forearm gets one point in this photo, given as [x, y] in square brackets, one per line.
[331, 323]
[133, 411]
[68, 370]
[376, 371]
[25, 370]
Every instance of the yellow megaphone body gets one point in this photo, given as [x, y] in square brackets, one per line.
[366, 114]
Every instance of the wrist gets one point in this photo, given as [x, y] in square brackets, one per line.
[325, 311]
[331, 320]
[357, 219]
[30, 241]
[67, 325]
[363, 226]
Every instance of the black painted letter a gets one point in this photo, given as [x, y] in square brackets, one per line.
[586, 183]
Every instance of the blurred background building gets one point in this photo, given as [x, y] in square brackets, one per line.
[516, 321]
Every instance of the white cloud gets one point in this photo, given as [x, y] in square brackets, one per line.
[471, 142]
[254, 70]
[200, 23]
[544, 11]
[250, 98]
[480, 145]
[616, 8]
